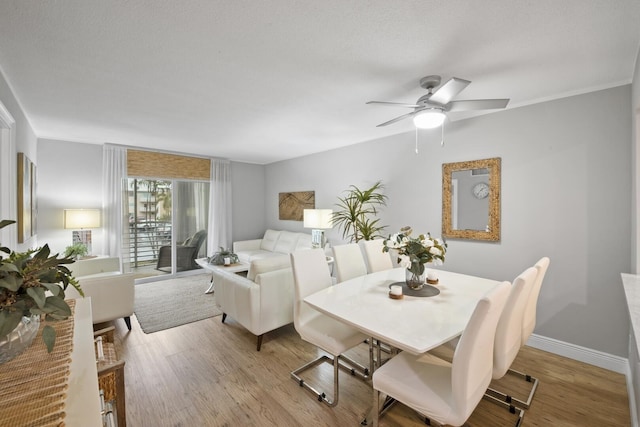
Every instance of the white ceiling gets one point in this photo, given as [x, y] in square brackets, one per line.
[261, 81]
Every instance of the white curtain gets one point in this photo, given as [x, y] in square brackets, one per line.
[114, 190]
[219, 206]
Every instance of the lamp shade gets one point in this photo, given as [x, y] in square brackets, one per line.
[81, 218]
[317, 218]
[428, 119]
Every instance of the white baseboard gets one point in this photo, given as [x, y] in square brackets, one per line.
[632, 398]
[593, 357]
[582, 354]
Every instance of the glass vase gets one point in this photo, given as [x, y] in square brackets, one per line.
[415, 281]
[20, 338]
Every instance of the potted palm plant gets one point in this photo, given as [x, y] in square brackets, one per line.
[32, 285]
[357, 210]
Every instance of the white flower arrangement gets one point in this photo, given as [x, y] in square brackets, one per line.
[414, 252]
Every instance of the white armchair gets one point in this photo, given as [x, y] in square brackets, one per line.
[261, 303]
[112, 292]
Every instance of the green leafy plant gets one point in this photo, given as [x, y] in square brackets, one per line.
[218, 257]
[75, 251]
[357, 211]
[25, 278]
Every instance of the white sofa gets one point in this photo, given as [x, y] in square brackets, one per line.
[112, 292]
[274, 243]
[262, 301]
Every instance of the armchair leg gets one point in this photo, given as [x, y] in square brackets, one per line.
[224, 317]
[127, 321]
[259, 342]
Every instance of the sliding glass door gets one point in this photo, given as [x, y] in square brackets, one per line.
[167, 225]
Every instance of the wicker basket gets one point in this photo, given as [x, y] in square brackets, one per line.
[111, 374]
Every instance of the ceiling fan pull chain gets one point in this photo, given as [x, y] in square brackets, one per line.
[442, 136]
[416, 140]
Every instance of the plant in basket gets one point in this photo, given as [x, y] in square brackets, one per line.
[32, 284]
[219, 257]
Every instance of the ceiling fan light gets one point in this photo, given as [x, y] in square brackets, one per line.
[429, 119]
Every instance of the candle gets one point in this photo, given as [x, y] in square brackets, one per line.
[396, 290]
[227, 261]
[432, 275]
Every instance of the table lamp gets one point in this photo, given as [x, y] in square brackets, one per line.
[319, 220]
[80, 219]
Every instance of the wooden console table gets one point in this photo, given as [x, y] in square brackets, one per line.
[71, 397]
[83, 399]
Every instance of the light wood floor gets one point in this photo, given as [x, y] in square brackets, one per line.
[209, 374]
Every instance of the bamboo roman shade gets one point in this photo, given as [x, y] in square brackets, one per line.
[168, 166]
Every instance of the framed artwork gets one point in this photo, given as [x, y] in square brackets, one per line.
[292, 205]
[34, 200]
[25, 201]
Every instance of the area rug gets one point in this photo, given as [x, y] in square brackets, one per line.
[169, 303]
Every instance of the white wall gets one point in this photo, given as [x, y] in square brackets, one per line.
[248, 201]
[70, 176]
[635, 112]
[566, 166]
[25, 142]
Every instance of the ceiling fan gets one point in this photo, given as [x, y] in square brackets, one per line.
[430, 110]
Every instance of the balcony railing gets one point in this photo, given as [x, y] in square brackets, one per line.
[145, 239]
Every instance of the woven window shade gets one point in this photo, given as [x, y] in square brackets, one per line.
[169, 166]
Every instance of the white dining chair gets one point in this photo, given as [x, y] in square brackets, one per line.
[508, 338]
[348, 262]
[528, 325]
[376, 259]
[310, 275]
[529, 320]
[446, 392]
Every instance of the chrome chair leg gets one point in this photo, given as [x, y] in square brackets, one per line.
[338, 362]
[510, 399]
[513, 409]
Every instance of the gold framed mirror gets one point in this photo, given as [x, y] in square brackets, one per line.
[471, 200]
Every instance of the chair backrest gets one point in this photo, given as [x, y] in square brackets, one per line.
[373, 255]
[310, 275]
[197, 240]
[349, 262]
[529, 320]
[509, 331]
[472, 364]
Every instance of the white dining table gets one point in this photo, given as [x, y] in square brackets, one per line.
[414, 324]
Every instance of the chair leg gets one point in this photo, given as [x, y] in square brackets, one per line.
[322, 397]
[376, 408]
[224, 317]
[338, 362]
[127, 321]
[510, 399]
[259, 342]
[509, 406]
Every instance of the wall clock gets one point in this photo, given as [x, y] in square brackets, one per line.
[481, 190]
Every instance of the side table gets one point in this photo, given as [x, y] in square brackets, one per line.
[239, 267]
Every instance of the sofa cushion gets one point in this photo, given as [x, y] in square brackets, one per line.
[269, 240]
[286, 242]
[304, 242]
[265, 265]
[86, 267]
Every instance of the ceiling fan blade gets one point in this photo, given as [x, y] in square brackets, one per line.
[397, 119]
[395, 104]
[447, 91]
[477, 104]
